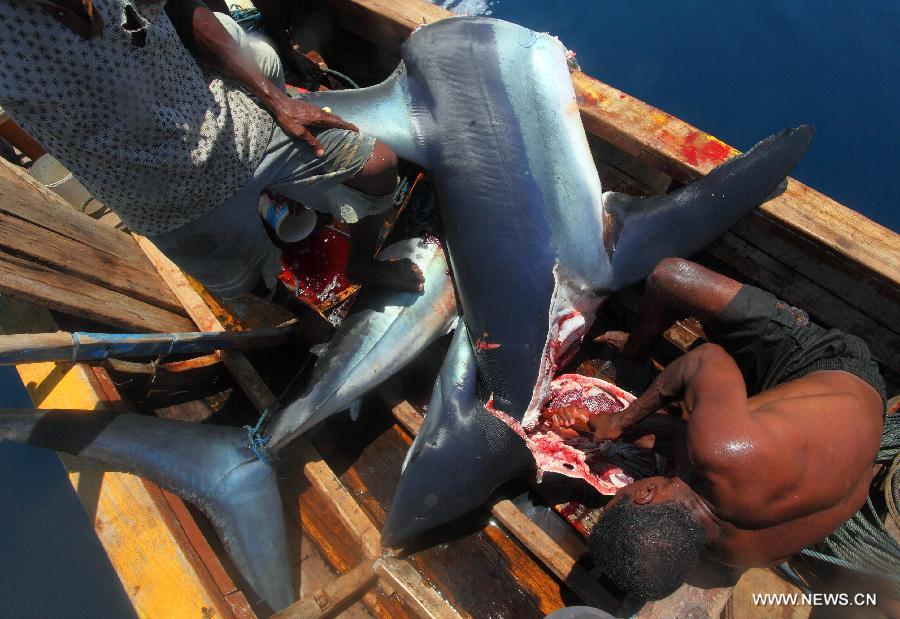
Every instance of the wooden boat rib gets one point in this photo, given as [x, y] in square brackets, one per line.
[806, 248]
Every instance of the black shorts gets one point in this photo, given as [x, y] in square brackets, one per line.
[774, 343]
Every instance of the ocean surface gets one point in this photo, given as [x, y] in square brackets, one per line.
[736, 69]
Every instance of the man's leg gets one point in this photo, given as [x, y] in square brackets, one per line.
[227, 249]
[260, 52]
[378, 178]
[354, 182]
[675, 288]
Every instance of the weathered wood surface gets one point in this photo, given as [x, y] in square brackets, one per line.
[32, 282]
[847, 264]
[333, 597]
[37, 224]
[64, 346]
[479, 569]
[83, 262]
[560, 562]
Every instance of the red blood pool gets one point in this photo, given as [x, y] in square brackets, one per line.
[313, 269]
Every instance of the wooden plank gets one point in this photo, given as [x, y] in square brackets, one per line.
[551, 554]
[82, 261]
[189, 299]
[177, 516]
[764, 581]
[386, 23]
[338, 545]
[877, 298]
[541, 545]
[333, 597]
[326, 482]
[23, 197]
[823, 305]
[455, 558]
[414, 590]
[44, 286]
[685, 153]
[687, 601]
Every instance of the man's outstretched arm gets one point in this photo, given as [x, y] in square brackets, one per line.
[202, 33]
[706, 379]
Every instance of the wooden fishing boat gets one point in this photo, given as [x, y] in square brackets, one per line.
[511, 560]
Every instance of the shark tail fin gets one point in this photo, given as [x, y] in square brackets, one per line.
[210, 466]
[643, 231]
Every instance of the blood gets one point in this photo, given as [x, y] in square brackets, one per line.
[483, 343]
[576, 456]
[314, 268]
[710, 151]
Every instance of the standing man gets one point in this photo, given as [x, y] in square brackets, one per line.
[182, 149]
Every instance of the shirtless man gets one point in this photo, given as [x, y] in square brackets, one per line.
[784, 419]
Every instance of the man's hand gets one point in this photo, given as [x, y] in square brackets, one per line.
[296, 117]
[614, 339]
[567, 421]
[607, 427]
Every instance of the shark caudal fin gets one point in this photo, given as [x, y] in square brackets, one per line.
[386, 331]
[209, 466]
[461, 454]
[646, 230]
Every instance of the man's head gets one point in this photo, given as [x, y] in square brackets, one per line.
[650, 536]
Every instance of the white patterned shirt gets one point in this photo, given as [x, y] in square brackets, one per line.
[130, 112]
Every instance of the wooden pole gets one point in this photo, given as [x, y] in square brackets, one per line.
[87, 347]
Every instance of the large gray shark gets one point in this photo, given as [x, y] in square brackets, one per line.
[488, 108]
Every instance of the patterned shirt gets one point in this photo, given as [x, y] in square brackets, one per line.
[130, 112]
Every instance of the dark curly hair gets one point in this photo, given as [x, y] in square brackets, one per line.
[647, 550]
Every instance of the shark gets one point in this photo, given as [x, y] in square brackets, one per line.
[530, 247]
[534, 244]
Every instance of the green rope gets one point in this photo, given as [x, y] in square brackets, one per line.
[863, 543]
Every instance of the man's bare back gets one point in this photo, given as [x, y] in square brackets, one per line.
[767, 473]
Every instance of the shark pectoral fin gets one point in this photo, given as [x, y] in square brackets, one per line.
[461, 454]
[639, 232]
[384, 111]
[386, 330]
[209, 466]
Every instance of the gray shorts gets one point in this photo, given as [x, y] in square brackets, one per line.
[228, 249]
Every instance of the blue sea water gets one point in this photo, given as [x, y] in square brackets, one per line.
[737, 69]
[742, 70]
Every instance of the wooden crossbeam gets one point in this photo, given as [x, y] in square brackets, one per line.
[333, 597]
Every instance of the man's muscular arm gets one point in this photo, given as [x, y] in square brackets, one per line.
[208, 40]
[706, 379]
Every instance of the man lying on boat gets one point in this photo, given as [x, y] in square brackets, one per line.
[784, 423]
[177, 147]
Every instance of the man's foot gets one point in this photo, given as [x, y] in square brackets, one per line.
[404, 275]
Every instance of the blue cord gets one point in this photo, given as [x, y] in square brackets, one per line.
[258, 440]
